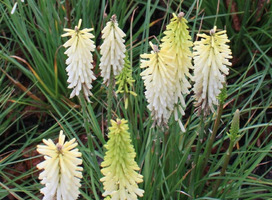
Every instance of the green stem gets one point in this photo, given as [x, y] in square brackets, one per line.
[208, 148]
[224, 167]
[110, 98]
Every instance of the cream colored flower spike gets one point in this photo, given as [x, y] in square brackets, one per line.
[159, 83]
[177, 42]
[112, 50]
[79, 61]
[211, 58]
[61, 174]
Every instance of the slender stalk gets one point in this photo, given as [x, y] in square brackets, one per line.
[234, 136]
[207, 152]
[208, 148]
[201, 165]
[110, 98]
[224, 167]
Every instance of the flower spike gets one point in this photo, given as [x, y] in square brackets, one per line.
[177, 42]
[112, 50]
[211, 58]
[61, 175]
[79, 61]
[159, 83]
[119, 167]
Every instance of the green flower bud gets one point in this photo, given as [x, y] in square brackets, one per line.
[125, 81]
[234, 129]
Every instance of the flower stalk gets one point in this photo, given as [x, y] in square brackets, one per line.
[110, 98]
[207, 152]
[233, 136]
[112, 59]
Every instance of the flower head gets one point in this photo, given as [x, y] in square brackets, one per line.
[177, 42]
[79, 61]
[159, 83]
[112, 50]
[61, 175]
[211, 56]
[119, 167]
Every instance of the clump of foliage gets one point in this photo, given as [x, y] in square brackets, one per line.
[210, 159]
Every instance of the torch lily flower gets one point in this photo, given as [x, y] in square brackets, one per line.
[211, 58]
[112, 50]
[177, 42]
[119, 167]
[61, 174]
[79, 61]
[159, 83]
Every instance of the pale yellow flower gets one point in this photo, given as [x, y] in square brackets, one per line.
[119, 167]
[79, 61]
[177, 42]
[211, 58]
[61, 174]
[112, 50]
[159, 83]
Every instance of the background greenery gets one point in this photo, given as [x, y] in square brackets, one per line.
[34, 100]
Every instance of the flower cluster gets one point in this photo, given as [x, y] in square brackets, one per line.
[79, 60]
[159, 83]
[61, 175]
[166, 77]
[211, 56]
[112, 50]
[119, 168]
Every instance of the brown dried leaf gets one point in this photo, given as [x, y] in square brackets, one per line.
[235, 19]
